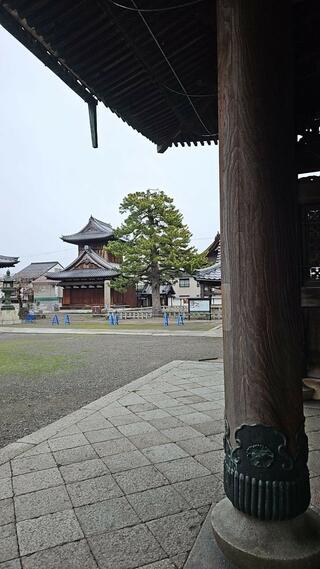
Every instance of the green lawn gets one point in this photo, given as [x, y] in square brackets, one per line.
[21, 358]
[200, 326]
[144, 325]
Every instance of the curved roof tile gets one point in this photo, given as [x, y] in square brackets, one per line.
[94, 230]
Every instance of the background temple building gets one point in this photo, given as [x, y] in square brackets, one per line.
[144, 295]
[209, 278]
[86, 281]
[8, 261]
[212, 250]
[34, 285]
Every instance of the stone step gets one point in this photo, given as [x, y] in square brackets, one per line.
[314, 384]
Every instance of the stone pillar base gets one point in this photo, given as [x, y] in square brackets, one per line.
[8, 317]
[252, 544]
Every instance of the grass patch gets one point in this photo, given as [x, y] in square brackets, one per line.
[20, 359]
[127, 325]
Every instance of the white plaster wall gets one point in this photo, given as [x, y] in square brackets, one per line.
[183, 293]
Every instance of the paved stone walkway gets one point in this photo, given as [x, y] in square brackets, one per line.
[126, 481]
[215, 331]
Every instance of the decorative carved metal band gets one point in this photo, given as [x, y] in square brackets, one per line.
[261, 477]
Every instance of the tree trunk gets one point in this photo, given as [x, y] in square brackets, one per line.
[155, 287]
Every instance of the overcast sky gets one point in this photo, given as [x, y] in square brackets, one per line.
[51, 178]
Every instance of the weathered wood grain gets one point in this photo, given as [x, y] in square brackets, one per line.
[259, 216]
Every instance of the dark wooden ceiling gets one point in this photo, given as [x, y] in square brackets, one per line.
[153, 63]
[134, 62]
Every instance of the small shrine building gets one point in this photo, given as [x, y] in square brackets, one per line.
[86, 282]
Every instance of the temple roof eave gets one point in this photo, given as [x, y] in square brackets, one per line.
[6, 261]
[84, 274]
[79, 238]
[102, 269]
[211, 274]
[94, 230]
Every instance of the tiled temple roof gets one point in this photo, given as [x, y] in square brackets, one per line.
[103, 268]
[211, 273]
[8, 261]
[35, 270]
[94, 230]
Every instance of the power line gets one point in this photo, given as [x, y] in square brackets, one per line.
[139, 11]
[152, 10]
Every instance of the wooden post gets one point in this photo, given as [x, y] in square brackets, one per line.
[266, 449]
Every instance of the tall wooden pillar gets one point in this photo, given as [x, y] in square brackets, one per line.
[266, 475]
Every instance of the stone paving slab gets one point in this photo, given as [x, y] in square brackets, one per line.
[125, 482]
[215, 331]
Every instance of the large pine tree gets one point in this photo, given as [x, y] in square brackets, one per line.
[153, 242]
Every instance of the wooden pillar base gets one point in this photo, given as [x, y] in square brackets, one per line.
[262, 477]
[252, 544]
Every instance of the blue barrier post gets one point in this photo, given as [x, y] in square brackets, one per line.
[116, 319]
[55, 320]
[166, 319]
[111, 319]
[180, 321]
[67, 319]
[30, 317]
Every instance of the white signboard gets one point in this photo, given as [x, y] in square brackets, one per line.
[199, 305]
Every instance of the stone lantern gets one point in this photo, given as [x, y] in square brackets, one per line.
[7, 290]
[8, 314]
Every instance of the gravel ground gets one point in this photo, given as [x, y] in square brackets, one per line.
[96, 366]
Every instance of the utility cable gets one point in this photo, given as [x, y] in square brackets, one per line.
[156, 10]
[171, 67]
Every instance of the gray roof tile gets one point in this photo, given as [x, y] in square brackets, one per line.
[104, 268]
[8, 261]
[84, 273]
[35, 270]
[212, 273]
[92, 231]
